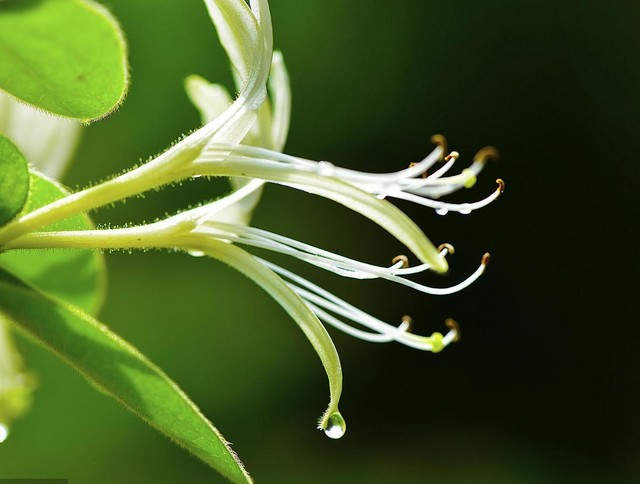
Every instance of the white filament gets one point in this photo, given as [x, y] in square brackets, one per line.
[410, 184]
[329, 261]
[322, 303]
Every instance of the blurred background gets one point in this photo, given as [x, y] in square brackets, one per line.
[543, 385]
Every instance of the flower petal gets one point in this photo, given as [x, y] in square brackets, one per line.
[47, 141]
[280, 90]
[238, 31]
[210, 99]
[237, 207]
[289, 300]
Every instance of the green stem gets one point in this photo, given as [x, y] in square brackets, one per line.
[142, 237]
[151, 175]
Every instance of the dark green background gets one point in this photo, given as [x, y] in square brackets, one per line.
[542, 387]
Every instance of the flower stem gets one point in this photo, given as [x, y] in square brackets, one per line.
[151, 175]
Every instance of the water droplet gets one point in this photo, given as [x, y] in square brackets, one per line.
[442, 211]
[326, 168]
[197, 253]
[336, 427]
[4, 432]
[465, 211]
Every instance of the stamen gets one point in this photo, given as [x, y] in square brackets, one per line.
[501, 185]
[450, 159]
[487, 153]
[446, 247]
[219, 151]
[441, 141]
[486, 258]
[479, 161]
[338, 264]
[341, 325]
[443, 208]
[453, 154]
[315, 296]
[442, 291]
[408, 321]
[401, 258]
[329, 261]
[405, 184]
[453, 325]
[321, 301]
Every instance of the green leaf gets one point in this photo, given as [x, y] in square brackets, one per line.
[14, 180]
[118, 369]
[76, 276]
[67, 57]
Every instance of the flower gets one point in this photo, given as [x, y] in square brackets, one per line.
[46, 140]
[243, 139]
[216, 229]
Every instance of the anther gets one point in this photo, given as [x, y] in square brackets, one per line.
[408, 322]
[441, 141]
[486, 153]
[501, 185]
[454, 154]
[486, 258]
[453, 325]
[448, 247]
[403, 258]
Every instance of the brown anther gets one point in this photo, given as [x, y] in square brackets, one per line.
[501, 185]
[486, 258]
[453, 325]
[449, 248]
[453, 154]
[408, 320]
[441, 141]
[486, 153]
[403, 258]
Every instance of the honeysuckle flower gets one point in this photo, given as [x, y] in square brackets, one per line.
[46, 140]
[243, 139]
[214, 229]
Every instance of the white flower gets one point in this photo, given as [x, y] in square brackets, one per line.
[243, 140]
[47, 141]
